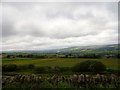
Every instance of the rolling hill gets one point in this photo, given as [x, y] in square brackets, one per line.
[111, 48]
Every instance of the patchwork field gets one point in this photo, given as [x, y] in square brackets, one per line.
[61, 62]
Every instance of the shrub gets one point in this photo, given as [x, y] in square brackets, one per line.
[57, 69]
[117, 71]
[63, 85]
[31, 66]
[46, 84]
[22, 67]
[48, 69]
[89, 66]
[9, 67]
[65, 69]
[40, 70]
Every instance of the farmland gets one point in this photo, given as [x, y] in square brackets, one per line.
[27, 79]
[61, 62]
[68, 68]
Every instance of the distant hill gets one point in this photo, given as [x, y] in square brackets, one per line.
[112, 48]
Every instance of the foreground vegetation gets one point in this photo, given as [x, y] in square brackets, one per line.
[24, 82]
[63, 71]
[27, 65]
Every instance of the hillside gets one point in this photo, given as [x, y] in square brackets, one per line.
[113, 48]
[98, 49]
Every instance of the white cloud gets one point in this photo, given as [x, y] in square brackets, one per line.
[57, 25]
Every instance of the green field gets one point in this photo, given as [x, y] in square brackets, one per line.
[61, 62]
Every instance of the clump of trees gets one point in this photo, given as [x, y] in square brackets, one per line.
[89, 66]
[63, 55]
[14, 67]
[9, 67]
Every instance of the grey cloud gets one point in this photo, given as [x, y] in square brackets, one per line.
[58, 24]
[8, 30]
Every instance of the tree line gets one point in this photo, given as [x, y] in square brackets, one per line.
[65, 55]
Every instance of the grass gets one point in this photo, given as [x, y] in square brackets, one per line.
[61, 62]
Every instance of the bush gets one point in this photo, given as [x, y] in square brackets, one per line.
[25, 67]
[65, 69]
[63, 85]
[57, 69]
[31, 66]
[40, 70]
[89, 66]
[9, 68]
[22, 67]
[46, 84]
[116, 71]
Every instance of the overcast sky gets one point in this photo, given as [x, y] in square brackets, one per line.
[27, 26]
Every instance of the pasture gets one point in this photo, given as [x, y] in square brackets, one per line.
[60, 79]
[61, 62]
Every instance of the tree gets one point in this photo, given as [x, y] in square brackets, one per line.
[89, 66]
[8, 56]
